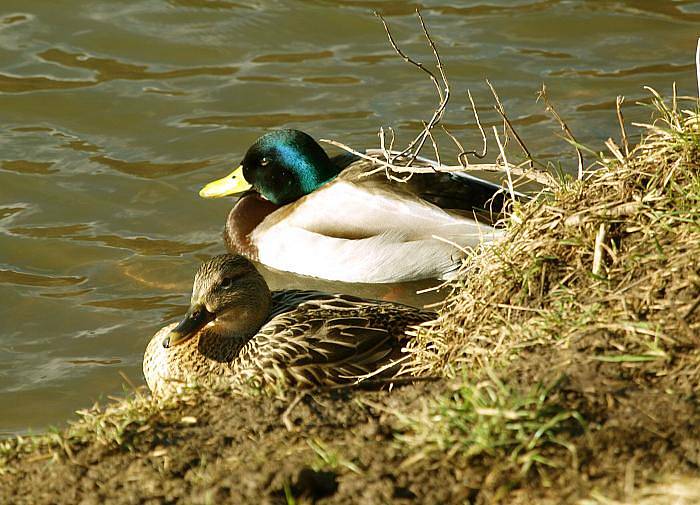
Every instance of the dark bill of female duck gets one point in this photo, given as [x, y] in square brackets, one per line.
[196, 318]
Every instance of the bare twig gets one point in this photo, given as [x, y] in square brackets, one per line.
[618, 107]
[462, 156]
[401, 161]
[518, 139]
[393, 138]
[567, 132]
[598, 250]
[505, 163]
[416, 145]
[407, 58]
[287, 412]
[499, 108]
[389, 167]
[382, 144]
[374, 156]
[432, 140]
[481, 128]
[502, 112]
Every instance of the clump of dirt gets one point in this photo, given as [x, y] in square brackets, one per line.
[219, 448]
[569, 359]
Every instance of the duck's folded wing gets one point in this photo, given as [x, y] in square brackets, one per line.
[350, 210]
[358, 234]
[326, 352]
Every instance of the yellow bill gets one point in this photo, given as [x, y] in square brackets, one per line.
[229, 185]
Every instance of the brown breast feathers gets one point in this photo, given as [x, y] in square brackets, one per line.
[245, 216]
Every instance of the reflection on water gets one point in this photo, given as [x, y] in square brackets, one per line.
[19, 278]
[114, 114]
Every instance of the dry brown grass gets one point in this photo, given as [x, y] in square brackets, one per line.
[575, 341]
[609, 262]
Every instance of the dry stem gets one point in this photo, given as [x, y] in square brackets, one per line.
[621, 120]
[567, 132]
[416, 145]
[401, 161]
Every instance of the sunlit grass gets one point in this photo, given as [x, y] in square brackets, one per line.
[491, 418]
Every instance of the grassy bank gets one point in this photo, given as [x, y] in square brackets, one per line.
[569, 363]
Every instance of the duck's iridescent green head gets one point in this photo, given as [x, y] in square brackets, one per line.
[282, 166]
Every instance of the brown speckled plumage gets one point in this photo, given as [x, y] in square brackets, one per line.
[307, 339]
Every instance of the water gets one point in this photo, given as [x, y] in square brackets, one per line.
[115, 113]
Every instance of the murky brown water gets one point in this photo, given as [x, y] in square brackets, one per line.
[115, 113]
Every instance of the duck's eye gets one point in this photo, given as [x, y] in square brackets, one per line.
[226, 282]
[264, 162]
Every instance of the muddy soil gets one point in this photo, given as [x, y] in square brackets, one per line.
[344, 447]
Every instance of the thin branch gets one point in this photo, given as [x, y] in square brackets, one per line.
[505, 163]
[382, 145]
[364, 156]
[518, 139]
[432, 166]
[462, 156]
[386, 152]
[407, 58]
[618, 107]
[444, 99]
[383, 165]
[393, 162]
[567, 132]
[432, 140]
[502, 112]
[393, 138]
[416, 145]
[498, 107]
[438, 60]
[481, 128]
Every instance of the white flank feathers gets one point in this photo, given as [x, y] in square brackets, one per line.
[353, 233]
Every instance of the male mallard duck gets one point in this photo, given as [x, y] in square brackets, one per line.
[306, 213]
[236, 331]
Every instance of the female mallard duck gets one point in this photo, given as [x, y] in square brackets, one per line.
[237, 331]
[305, 213]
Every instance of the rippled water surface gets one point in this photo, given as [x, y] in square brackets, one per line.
[114, 113]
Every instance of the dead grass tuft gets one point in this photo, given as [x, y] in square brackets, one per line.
[596, 290]
[608, 264]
